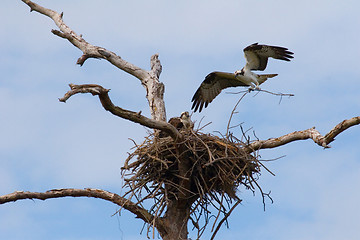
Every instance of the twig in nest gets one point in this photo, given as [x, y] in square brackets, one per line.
[211, 158]
[262, 193]
[221, 204]
[225, 218]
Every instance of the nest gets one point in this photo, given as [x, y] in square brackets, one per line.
[218, 166]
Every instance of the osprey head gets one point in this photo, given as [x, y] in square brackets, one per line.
[239, 72]
[184, 115]
[185, 119]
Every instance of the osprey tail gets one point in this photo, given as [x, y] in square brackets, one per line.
[263, 77]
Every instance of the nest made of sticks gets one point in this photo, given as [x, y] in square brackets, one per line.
[218, 165]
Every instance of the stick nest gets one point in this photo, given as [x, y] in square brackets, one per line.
[216, 168]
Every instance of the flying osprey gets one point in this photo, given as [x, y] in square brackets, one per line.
[256, 59]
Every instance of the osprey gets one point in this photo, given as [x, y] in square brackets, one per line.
[256, 59]
[186, 120]
[180, 123]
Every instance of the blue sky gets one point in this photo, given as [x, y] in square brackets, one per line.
[45, 144]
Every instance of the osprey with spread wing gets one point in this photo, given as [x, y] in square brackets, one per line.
[256, 59]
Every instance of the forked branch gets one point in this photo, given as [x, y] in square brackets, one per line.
[311, 133]
[106, 102]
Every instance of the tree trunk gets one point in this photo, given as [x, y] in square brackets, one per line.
[175, 220]
[178, 208]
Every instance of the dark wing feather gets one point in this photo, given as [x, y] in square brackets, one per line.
[257, 55]
[212, 86]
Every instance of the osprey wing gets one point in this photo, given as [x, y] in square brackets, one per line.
[212, 86]
[257, 55]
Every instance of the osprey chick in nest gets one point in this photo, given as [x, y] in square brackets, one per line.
[182, 122]
[186, 121]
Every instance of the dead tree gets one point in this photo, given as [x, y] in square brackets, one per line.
[185, 172]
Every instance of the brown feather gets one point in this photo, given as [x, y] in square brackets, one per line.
[212, 86]
[257, 55]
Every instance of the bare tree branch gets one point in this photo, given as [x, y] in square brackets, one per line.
[87, 192]
[106, 102]
[311, 133]
[330, 136]
[149, 79]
